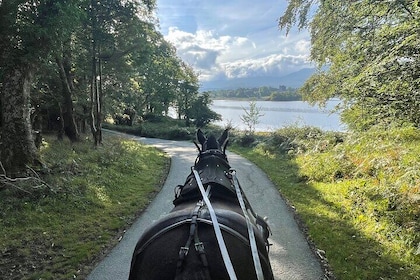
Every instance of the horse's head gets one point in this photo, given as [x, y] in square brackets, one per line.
[211, 146]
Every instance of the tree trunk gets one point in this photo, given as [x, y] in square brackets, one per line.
[95, 105]
[17, 147]
[70, 128]
[99, 103]
[60, 132]
[95, 87]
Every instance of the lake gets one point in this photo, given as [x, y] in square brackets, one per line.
[279, 114]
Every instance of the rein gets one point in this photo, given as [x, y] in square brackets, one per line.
[254, 249]
[217, 148]
[216, 227]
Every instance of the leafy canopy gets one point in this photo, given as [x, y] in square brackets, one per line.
[368, 55]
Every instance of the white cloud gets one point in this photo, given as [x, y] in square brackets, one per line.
[238, 38]
[216, 57]
[303, 46]
[273, 65]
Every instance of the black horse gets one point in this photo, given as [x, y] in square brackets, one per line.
[211, 233]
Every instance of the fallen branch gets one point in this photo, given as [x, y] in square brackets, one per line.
[23, 184]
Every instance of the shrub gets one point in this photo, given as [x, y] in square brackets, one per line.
[179, 133]
[296, 140]
[388, 162]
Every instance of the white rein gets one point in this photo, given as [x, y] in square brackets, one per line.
[219, 236]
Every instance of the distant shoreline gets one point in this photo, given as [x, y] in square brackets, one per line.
[253, 99]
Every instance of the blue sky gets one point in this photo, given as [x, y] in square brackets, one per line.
[233, 38]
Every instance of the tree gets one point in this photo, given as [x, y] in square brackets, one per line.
[109, 21]
[367, 54]
[36, 34]
[187, 92]
[63, 57]
[200, 112]
[251, 117]
[140, 70]
[27, 32]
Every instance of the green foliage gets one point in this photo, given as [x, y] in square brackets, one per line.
[357, 193]
[166, 128]
[108, 55]
[368, 56]
[388, 166]
[296, 140]
[200, 112]
[251, 117]
[246, 140]
[97, 194]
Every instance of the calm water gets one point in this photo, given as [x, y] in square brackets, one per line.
[279, 114]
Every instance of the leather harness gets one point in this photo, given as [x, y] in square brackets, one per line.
[199, 247]
[213, 172]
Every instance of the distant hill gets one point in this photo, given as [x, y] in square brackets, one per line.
[293, 80]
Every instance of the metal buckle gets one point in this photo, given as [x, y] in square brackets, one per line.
[183, 252]
[199, 246]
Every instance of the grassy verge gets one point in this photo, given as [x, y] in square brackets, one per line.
[58, 230]
[358, 195]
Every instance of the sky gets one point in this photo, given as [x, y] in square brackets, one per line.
[233, 38]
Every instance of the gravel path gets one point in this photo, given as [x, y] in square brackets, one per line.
[290, 255]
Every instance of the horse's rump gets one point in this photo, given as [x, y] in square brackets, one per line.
[157, 252]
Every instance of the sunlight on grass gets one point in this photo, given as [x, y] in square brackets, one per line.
[100, 193]
[97, 193]
[359, 196]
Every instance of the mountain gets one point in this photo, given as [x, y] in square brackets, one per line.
[294, 80]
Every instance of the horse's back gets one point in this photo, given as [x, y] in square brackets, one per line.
[156, 255]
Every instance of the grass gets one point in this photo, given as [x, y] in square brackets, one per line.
[357, 194]
[92, 196]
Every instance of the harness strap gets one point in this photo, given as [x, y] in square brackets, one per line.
[216, 227]
[199, 247]
[254, 249]
[183, 251]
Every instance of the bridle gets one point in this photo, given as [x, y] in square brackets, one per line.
[211, 153]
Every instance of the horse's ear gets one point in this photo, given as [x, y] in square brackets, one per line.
[201, 137]
[223, 140]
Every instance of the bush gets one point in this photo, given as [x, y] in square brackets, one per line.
[154, 118]
[387, 162]
[296, 140]
[325, 167]
[179, 133]
[247, 140]
[134, 130]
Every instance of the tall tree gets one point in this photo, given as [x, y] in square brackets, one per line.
[109, 22]
[200, 112]
[27, 30]
[368, 54]
[187, 92]
[63, 58]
